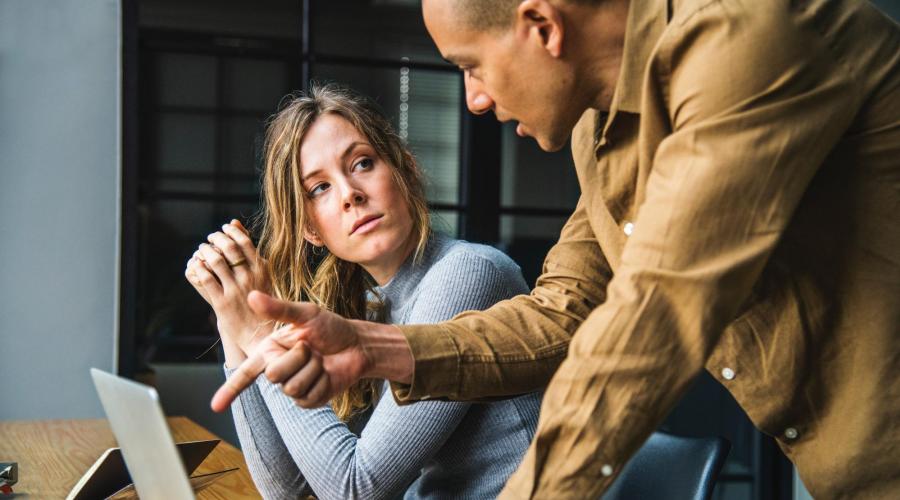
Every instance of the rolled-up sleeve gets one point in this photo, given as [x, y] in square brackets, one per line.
[755, 102]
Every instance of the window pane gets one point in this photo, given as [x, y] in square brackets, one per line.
[185, 80]
[446, 222]
[380, 29]
[424, 107]
[514, 228]
[531, 177]
[256, 85]
[242, 145]
[527, 239]
[185, 143]
[264, 18]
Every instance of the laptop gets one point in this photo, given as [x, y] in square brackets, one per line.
[140, 427]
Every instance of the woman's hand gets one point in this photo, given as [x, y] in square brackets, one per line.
[224, 271]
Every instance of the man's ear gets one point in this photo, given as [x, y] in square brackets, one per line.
[313, 237]
[544, 22]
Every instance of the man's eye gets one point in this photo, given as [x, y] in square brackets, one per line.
[318, 189]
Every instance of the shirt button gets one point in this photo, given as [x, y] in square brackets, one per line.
[606, 470]
[790, 433]
[727, 373]
[628, 229]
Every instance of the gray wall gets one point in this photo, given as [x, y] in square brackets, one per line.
[59, 208]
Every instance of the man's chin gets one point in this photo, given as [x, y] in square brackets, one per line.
[551, 144]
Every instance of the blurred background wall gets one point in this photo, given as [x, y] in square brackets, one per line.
[60, 164]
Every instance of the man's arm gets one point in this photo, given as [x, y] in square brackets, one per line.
[515, 346]
[756, 101]
[528, 334]
[345, 351]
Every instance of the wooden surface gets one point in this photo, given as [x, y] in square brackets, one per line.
[54, 454]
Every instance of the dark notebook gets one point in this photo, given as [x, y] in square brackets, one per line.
[109, 474]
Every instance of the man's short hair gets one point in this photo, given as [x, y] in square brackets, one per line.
[485, 15]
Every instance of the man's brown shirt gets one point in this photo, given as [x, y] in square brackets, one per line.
[740, 211]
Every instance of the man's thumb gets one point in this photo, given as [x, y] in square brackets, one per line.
[269, 307]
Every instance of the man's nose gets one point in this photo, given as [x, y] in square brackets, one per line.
[477, 100]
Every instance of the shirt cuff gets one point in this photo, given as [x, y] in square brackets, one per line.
[436, 372]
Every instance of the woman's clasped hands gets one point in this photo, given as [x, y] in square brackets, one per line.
[224, 271]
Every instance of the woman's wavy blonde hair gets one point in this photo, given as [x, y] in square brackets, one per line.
[335, 284]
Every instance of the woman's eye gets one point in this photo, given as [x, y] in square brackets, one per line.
[364, 164]
[318, 189]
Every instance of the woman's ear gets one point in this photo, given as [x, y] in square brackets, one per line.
[313, 237]
[542, 22]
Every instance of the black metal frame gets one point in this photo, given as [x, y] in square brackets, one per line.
[129, 188]
[480, 177]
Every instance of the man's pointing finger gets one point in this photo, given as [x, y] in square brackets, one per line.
[245, 375]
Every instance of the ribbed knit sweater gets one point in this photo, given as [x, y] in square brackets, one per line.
[431, 449]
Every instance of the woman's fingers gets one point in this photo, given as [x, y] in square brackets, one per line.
[238, 224]
[233, 253]
[191, 275]
[239, 235]
[216, 263]
[210, 287]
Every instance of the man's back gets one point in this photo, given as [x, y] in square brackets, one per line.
[813, 354]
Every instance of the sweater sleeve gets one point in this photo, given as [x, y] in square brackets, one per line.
[397, 441]
[273, 470]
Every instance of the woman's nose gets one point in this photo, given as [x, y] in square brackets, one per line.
[353, 197]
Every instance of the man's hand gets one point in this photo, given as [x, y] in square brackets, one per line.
[343, 352]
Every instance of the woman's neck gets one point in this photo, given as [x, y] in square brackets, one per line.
[385, 269]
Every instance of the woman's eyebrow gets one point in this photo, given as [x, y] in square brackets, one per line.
[353, 145]
[309, 174]
[350, 149]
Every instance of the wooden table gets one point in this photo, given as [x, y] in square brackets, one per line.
[54, 454]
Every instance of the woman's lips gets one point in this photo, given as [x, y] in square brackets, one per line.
[368, 225]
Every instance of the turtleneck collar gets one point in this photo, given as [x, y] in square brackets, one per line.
[397, 292]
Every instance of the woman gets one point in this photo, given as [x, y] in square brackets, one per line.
[340, 186]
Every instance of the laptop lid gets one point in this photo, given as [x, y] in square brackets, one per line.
[140, 428]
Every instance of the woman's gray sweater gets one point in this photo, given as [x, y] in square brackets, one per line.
[432, 449]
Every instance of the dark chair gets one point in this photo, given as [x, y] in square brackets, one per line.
[671, 467]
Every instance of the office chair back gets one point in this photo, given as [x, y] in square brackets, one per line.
[669, 467]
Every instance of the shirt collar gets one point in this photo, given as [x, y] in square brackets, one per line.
[647, 19]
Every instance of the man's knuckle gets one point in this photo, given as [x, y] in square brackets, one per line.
[293, 388]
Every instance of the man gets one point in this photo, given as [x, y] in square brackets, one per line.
[740, 211]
